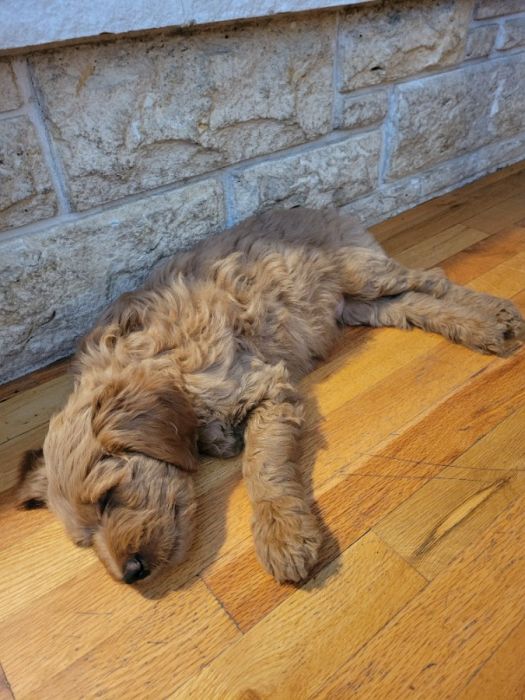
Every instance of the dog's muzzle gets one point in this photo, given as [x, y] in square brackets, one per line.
[135, 569]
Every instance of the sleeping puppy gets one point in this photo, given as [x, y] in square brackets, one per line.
[207, 356]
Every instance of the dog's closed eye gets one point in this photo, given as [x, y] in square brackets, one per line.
[104, 502]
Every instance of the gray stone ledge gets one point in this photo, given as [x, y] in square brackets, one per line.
[31, 23]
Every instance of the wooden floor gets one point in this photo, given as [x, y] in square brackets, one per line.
[416, 452]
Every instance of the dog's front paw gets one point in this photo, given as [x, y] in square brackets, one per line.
[287, 538]
[510, 320]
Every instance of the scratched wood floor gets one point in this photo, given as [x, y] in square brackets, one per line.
[416, 452]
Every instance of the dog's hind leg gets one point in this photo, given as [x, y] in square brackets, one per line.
[488, 306]
[286, 533]
[485, 326]
[371, 275]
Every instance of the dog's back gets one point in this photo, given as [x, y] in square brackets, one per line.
[271, 281]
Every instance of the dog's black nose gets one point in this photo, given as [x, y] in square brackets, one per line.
[135, 569]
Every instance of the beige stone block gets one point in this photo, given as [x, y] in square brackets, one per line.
[129, 116]
[444, 116]
[364, 110]
[26, 192]
[331, 175]
[513, 33]
[9, 94]
[480, 40]
[397, 38]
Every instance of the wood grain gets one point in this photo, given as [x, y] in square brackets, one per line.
[503, 675]
[161, 648]
[330, 608]
[443, 635]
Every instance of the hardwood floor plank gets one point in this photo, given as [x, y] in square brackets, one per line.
[17, 524]
[502, 677]
[440, 246]
[456, 205]
[452, 627]
[12, 450]
[354, 502]
[436, 524]
[37, 563]
[505, 280]
[344, 606]
[363, 422]
[454, 209]
[148, 657]
[32, 408]
[38, 378]
[452, 427]
[477, 259]
[504, 213]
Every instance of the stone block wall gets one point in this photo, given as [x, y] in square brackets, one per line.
[117, 154]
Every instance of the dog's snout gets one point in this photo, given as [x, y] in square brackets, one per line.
[135, 569]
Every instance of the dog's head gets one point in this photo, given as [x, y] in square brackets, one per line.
[115, 469]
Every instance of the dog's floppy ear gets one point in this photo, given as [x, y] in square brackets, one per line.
[138, 413]
[32, 481]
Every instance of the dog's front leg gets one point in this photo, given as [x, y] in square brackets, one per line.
[287, 535]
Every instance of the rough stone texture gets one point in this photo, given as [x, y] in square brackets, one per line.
[386, 200]
[480, 40]
[513, 33]
[446, 176]
[134, 115]
[364, 110]
[26, 193]
[9, 95]
[496, 8]
[393, 39]
[395, 197]
[328, 176]
[445, 116]
[54, 284]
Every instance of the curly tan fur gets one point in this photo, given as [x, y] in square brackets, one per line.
[211, 349]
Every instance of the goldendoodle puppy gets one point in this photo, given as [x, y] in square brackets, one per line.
[206, 357]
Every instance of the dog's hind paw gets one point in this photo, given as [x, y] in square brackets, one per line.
[287, 539]
[498, 329]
